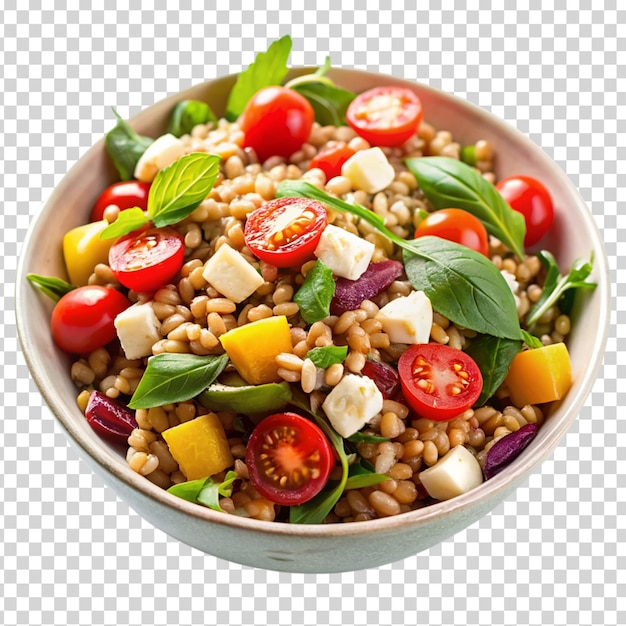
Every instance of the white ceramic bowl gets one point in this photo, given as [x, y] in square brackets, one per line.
[318, 548]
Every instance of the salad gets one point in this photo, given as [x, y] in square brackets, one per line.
[315, 307]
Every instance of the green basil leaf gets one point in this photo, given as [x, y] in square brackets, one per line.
[176, 378]
[329, 102]
[187, 114]
[447, 182]
[211, 491]
[530, 340]
[125, 147]
[248, 399]
[188, 490]
[463, 285]
[360, 437]
[180, 187]
[269, 68]
[127, 221]
[53, 287]
[325, 356]
[316, 293]
[493, 355]
[360, 476]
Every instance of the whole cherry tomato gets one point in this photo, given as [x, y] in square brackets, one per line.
[82, 319]
[530, 198]
[331, 158]
[385, 116]
[125, 194]
[276, 122]
[456, 225]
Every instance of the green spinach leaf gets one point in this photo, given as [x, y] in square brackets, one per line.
[125, 147]
[269, 68]
[211, 491]
[360, 476]
[360, 437]
[187, 114]
[248, 399]
[127, 221]
[176, 378]
[316, 293]
[329, 102]
[53, 287]
[447, 182]
[325, 356]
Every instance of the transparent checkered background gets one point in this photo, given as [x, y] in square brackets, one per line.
[72, 553]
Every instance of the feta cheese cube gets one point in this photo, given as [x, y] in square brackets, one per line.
[352, 404]
[369, 170]
[229, 273]
[407, 319]
[346, 254]
[138, 330]
[159, 154]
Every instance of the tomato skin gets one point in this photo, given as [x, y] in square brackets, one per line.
[276, 122]
[385, 116]
[308, 219]
[451, 391]
[125, 194]
[456, 225]
[82, 319]
[331, 158]
[528, 196]
[147, 259]
[292, 447]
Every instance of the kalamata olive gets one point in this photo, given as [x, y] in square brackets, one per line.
[109, 418]
[384, 376]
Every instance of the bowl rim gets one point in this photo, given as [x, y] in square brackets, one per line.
[525, 464]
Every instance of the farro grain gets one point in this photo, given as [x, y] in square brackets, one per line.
[289, 375]
[220, 305]
[430, 455]
[476, 438]
[290, 362]
[82, 373]
[406, 492]
[386, 457]
[333, 374]
[262, 311]
[398, 408]
[82, 399]
[308, 379]
[401, 471]
[288, 309]
[355, 361]
[384, 504]
[357, 502]
[390, 425]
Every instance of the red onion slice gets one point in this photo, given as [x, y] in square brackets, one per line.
[112, 420]
[507, 449]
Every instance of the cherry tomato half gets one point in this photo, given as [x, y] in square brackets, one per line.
[82, 319]
[439, 382]
[289, 458]
[456, 225]
[529, 197]
[285, 232]
[331, 158]
[276, 122]
[147, 259]
[385, 116]
[125, 194]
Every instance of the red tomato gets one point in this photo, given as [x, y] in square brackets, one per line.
[289, 459]
[126, 195]
[276, 122]
[82, 319]
[331, 158]
[285, 232]
[456, 225]
[147, 259]
[529, 197]
[439, 382]
[385, 116]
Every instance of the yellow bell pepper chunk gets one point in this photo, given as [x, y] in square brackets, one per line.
[539, 375]
[83, 250]
[200, 446]
[253, 348]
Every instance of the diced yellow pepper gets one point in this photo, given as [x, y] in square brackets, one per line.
[199, 446]
[83, 250]
[539, 375]
[253, 348]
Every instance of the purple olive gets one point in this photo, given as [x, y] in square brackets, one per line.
[507, 449]
[112, 420]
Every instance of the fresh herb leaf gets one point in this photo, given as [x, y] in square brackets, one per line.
[269, 68]
[360, 476]
[493, 355]
[53, 287]
[211, 491]
[329, 102]
[556, 285]
[187, 114]
[188, 490]
[127, 221]
[125, 147]
[360, 437]
[463, 285]
[248, 399]
[530, 340]
[315, 294]
[175, 378]
[180, 187]
[448, 182]
[325, 356]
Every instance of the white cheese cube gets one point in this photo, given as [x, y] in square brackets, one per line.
[456, 473]
[369, 170]
[352, 404]
[407, 319]
[512, 283]
[229, 273]
[346, 254]
[159, 154]
[138, 330]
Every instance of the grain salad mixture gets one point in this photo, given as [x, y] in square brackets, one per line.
[314, 313]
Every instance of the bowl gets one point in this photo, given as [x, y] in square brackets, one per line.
[327, 547]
